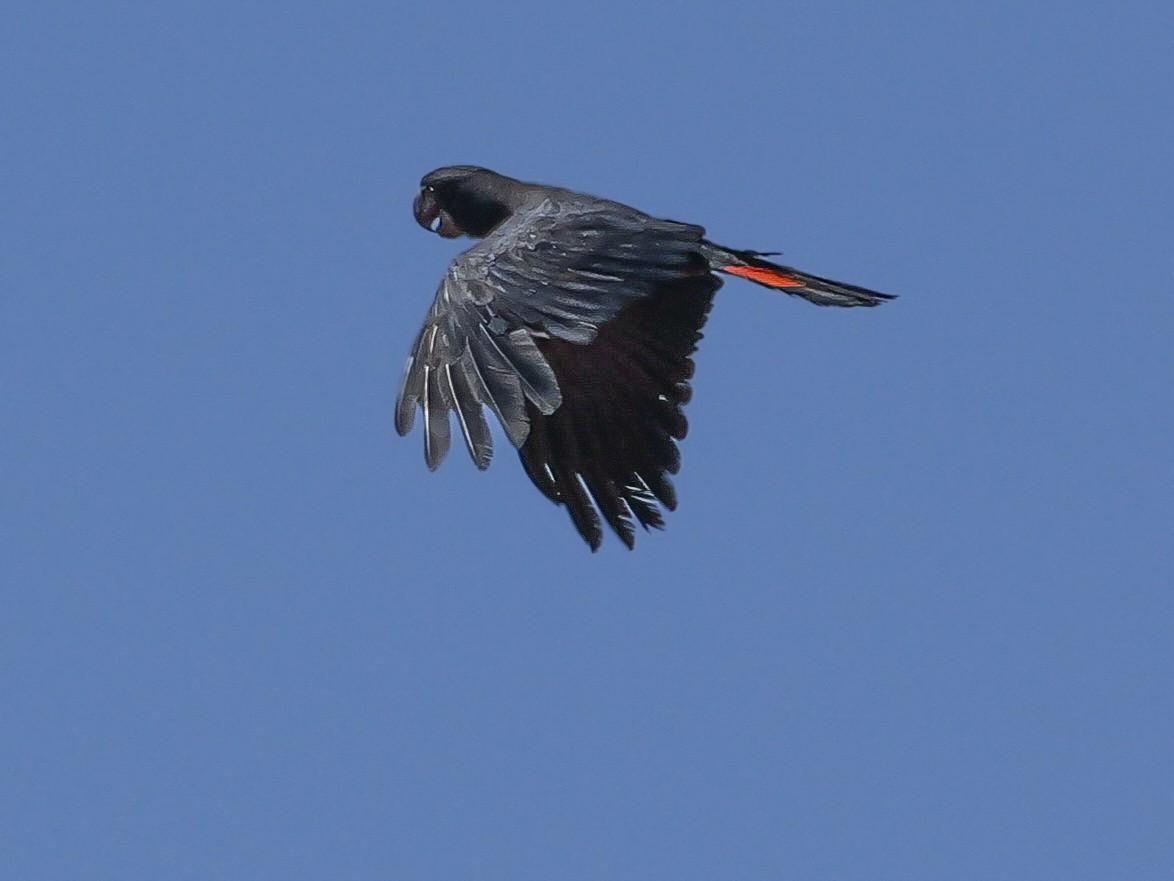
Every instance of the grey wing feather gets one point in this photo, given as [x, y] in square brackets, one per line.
[469, 414]
[464, 358]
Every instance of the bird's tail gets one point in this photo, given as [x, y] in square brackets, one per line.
[821, 291]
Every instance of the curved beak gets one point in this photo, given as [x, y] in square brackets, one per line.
[426, 210]
[432, 217]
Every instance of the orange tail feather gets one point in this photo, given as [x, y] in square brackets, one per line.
[772, 278]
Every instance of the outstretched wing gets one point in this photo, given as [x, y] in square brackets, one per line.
[574, 323]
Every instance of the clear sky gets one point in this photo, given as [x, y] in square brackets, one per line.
[914, 617]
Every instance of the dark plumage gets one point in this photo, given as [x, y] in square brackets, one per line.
[574, 320]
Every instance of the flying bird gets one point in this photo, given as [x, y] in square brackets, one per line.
[573, 320]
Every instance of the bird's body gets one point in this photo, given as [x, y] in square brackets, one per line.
[573, 320]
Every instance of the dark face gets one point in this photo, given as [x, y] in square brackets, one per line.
[462, 200]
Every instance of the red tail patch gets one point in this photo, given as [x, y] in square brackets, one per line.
[769, 277]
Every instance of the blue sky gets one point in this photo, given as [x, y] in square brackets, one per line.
[914, 616]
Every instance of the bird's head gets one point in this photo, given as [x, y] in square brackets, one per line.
[463, 200]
